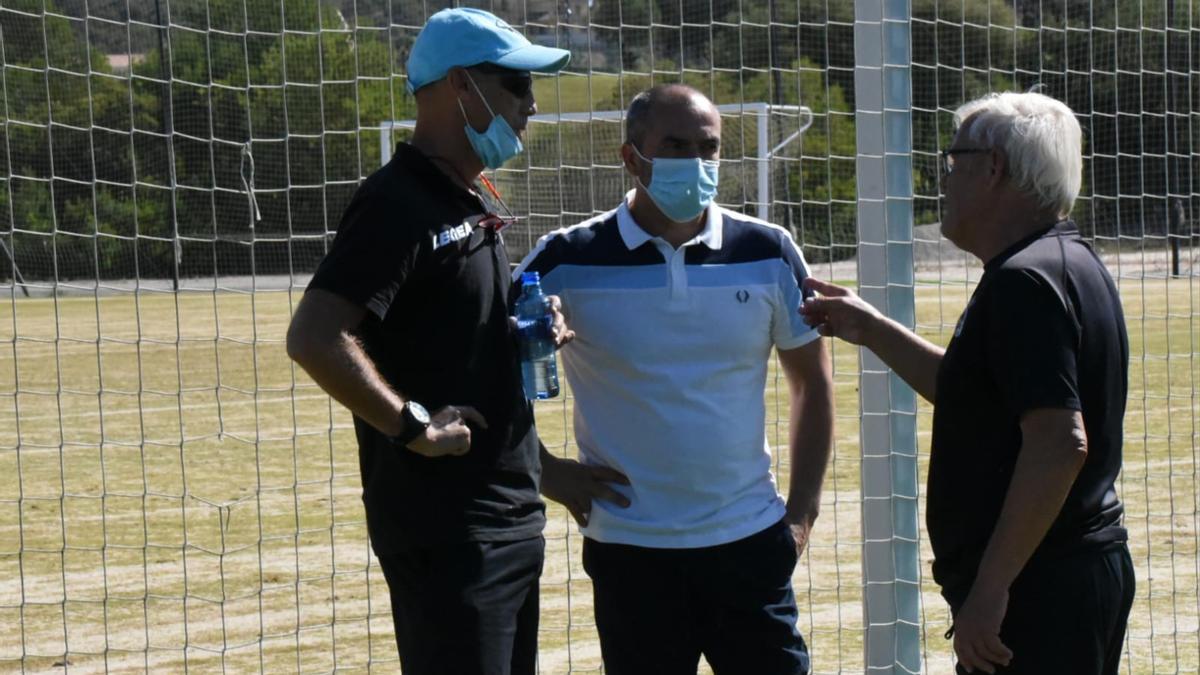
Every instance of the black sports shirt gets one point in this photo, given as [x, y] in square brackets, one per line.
[1044, 329]
[435, 285]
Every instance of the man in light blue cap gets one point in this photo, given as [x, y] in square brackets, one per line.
[408, 312]
[468, 64]
[467, 37]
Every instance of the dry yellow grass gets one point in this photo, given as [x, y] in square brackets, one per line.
[174, 493]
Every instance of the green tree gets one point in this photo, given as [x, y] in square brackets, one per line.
[71, 130]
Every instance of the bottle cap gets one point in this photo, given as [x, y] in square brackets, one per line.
[528, 278]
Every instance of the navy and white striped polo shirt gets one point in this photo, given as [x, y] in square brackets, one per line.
[669, 366]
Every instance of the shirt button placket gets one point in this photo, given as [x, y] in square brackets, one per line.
[679, 282]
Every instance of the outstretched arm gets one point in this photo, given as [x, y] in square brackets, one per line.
[839, 312]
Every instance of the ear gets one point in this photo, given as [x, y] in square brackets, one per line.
[460, 83]
[629, 158]
[999, 167]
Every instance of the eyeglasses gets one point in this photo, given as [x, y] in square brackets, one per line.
[485, 230]
[493, 222]
[482, 232]
[948, 156]
[517, 82]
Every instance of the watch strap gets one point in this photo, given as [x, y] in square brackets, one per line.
[413, 427]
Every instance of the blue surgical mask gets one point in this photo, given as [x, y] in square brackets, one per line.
[499, 143]
[681, 188]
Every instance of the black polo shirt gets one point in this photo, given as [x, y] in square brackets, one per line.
[1044, 329]
[435, 286]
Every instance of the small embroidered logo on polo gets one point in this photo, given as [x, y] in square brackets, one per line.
[743, 296]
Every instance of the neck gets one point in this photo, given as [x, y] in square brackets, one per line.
[1018, 219]
[648, 217]
[449, 147]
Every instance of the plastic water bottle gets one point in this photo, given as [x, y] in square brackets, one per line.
[535, 333]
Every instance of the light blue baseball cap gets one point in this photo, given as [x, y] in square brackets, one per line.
[466, 37]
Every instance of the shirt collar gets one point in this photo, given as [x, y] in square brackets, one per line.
[408, 156]
[634, 236]
[1063, 228]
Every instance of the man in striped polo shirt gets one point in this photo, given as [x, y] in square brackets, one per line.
[676, 304]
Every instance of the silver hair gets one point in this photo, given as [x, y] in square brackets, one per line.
[1041, 139]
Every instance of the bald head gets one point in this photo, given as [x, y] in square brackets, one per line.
[670, 102]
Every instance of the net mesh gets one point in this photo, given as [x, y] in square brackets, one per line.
[174, 494]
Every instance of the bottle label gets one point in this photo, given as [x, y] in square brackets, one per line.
[536, 337]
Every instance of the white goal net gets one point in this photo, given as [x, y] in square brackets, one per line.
[176, 495]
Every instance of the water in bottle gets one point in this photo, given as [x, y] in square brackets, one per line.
[536, 336]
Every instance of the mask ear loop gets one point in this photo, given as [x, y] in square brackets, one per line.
[481, 96]
[640, 155]
[646, 160]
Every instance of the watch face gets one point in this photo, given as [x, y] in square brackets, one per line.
[418, 412]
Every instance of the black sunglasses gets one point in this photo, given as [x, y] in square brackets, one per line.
[517, 82]
[948, 156]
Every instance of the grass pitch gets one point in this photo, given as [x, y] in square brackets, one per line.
[175, 494]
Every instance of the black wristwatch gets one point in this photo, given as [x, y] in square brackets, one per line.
[416, 420]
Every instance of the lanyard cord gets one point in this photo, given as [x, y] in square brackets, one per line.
[491, 188]
[512, 217]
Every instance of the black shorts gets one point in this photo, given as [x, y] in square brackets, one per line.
[469, 608]
[657, 610]
[1069, 617]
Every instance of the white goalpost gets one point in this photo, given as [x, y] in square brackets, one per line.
[760, 112]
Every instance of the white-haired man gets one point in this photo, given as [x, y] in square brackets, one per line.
[1028, 397]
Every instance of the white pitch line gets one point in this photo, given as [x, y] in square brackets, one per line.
[186, 407]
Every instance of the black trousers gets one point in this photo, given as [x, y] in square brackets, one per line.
[469, 608]
[1069, 617]
[657, 610]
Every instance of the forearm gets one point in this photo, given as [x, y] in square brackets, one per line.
[811, 442]
[547, 458]
[1045, 471]
[810, 434]
[346, 373]
[914, 358]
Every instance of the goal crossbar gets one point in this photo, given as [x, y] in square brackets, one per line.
[760, 110]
